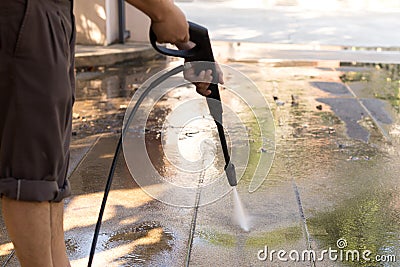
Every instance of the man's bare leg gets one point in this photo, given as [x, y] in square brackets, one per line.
[59, 252]
[36, 230]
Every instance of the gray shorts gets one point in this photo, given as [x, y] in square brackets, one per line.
[36, 96]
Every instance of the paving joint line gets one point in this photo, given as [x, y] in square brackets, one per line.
[10, 256]
[369, 114]
[92, 145]
[194, 220]
[303, 217]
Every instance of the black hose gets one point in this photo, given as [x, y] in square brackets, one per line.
[117, 151]
[103, 203]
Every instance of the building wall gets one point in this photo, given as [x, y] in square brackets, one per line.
[96, 21]
[137, 23]
[90, 19]
[112, 27]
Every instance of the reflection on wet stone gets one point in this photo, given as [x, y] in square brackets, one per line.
[365, 222]
[146, 240]
[72, 246]
[103, 93]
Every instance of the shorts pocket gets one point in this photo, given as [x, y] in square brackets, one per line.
[73, 33]
[22, 27]
[60, 30]
[64, 31]
[66, 27]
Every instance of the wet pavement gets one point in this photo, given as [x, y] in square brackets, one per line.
[334, 176]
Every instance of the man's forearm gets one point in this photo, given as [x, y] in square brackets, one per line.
[155, 9]
[168, 22]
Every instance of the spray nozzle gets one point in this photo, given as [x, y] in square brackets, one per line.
[231, 174]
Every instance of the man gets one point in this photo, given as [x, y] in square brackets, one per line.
[36, 99]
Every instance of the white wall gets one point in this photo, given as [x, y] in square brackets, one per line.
[90, 21]
[112, 21]
[137, 23]
[97, 22]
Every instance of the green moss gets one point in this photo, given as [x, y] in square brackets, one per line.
[218, 239]
[257, 141]
[329, 118]
[276, 238]
[365, 222]
[383, 80]
[355, 76]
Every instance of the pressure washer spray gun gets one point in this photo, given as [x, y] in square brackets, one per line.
[202, 51]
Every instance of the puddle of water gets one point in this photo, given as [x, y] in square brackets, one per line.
[113, 81]
[103, 93]
[147, 240]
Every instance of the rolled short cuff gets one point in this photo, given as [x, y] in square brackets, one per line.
[33, 190]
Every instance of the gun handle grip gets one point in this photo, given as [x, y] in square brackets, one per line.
[198, 35]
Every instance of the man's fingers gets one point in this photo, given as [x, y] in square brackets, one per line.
[220, 74]
[208, 76]
[202, 80]
[185, 38]
[185, 46]
[202, 89]
[205, 76]
[189, 75]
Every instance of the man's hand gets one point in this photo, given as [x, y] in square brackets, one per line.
[203, 79]
[171, 28]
